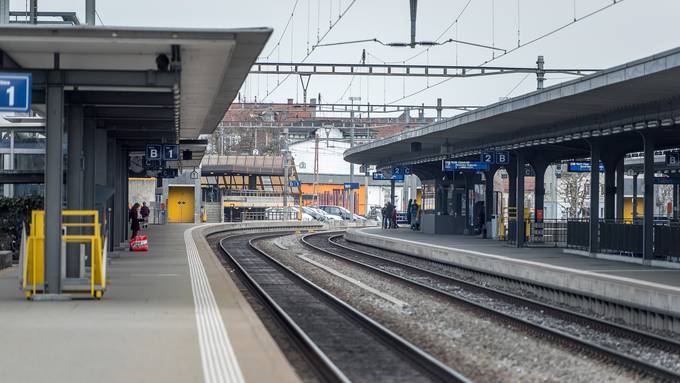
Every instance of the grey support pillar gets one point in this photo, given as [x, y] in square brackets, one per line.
[512, 184]
[676, 199]
[392, 192]
[111, 183]
[54, 173]
[519, 197]
[594, 221]
[609, 189]
[539, 166]
[74, 181]
[634, 214]
[252, 182]
[648, 219]
[90, 12]
[468, 214]
[125, 163]
[488, 197]
[88, 164]
[4, 11]
[620, 189]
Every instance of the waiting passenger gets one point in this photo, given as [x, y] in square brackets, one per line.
[133, 217]
[393, 216]
[144, 212]
[385, 215]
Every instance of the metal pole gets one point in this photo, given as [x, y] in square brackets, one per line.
[74, 181]
[4, 11]
[540, 73]
[90, 14]
[620, 181]
[635, 192]
[34, 11]
[519, 196]
[53, 182]
[594, 221]
[648, 218]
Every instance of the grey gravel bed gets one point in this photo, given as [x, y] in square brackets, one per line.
[457, 273]
[482, 349]
[652, 355]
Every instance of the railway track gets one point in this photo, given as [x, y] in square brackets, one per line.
[340, 342]
[416, 271]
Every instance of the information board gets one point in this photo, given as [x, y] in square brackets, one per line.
[15, 92]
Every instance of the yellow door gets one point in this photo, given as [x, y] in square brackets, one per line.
[181, 204]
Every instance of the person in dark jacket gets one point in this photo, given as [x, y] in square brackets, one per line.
[133, 217]
[144, 212]
[385, 217]
[409, 216]
[393, 217]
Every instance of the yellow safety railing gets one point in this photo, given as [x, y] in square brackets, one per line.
[33, 278]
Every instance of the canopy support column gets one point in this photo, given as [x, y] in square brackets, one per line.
[594, 221]
[519, 198]
[54, 173]
[648, 218]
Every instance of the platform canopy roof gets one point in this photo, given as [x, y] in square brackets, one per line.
[639, 91]
[114, 72]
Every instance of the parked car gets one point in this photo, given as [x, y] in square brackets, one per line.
[327, 216]
[337, 210]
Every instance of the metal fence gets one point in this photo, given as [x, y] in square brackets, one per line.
[275, 215]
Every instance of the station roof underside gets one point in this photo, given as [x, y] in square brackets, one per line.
[642, 90]
[113, 73]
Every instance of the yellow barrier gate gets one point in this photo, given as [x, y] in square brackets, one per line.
[33, 252]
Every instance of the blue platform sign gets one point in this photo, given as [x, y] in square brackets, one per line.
[583, 167]
[154, 152]
[378, 176]
[667, 180]
[503, 158]
[397, 177]
[488, 157]
[351, 185]
[401, 170]
[294, 183]
[450, 166]
[171, 152]
[15, 92]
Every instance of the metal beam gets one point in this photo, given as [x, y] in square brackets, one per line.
[107, 78]
[123, 98]
[348, 108]
[401, 70]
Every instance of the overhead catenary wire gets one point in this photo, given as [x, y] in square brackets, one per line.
[283, 33]
[538, 38]
[330, 28]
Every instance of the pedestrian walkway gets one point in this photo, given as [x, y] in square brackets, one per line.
[169, 315]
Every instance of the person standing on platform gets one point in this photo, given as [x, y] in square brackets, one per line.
[385, 216]
[409, 216]
[393, 216]
[133, 217]
[413, 213]
[144, 212]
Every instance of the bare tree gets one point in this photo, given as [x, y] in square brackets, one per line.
[664, 195]
[573, 188]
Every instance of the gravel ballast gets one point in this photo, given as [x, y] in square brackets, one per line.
[483, 350]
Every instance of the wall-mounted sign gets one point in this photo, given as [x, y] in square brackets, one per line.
[167, 173]
[582, 167]
[15, 92]
[294, 183]
[450, 166]
[673, 159]
[171, 152]
[401, 170]
[495, 157]
[351, 185]
[154, 152]
[667, 180]
[378, 176]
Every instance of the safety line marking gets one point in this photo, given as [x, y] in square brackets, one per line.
[217, 354]
[387, 297]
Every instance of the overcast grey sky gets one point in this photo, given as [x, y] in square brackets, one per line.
[629, 30]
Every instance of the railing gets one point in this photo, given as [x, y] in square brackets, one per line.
[33, 250]
[270, 216]
[550, 232]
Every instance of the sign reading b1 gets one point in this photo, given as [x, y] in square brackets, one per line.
[15, 92]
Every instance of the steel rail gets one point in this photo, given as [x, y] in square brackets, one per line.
[430, 366]
[557, 335]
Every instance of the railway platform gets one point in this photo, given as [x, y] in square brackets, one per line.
[172, 314]
[653, 288]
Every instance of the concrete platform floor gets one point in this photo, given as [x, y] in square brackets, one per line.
[144, 329]
[550, 256]
[652, 288]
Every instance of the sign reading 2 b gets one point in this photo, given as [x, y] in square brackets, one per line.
[15, 92]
